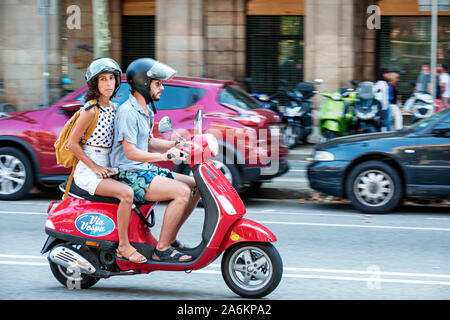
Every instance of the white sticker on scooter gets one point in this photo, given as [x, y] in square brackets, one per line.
[94, 224]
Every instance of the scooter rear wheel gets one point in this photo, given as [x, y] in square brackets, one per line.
[252, 269]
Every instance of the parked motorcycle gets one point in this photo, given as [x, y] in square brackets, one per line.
[268, 102]
[336, 114]
[296, 108]
[421, 105]
[82, 232]
[367, 110]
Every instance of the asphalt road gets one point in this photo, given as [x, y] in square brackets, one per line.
[329, 251]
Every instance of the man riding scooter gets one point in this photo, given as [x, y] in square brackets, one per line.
[135, 149]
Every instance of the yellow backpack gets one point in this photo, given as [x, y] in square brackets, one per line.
[64, 156]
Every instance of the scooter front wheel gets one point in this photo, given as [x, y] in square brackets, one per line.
[252, 269]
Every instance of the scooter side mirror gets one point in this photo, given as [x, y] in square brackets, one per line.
[165, 125]
[198, 123]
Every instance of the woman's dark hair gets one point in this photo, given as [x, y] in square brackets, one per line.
[92, 92]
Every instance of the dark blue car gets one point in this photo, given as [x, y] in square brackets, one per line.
[376, 171]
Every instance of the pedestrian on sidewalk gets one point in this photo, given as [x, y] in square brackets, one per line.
[394, 100]
[444, 82]
[382, 94]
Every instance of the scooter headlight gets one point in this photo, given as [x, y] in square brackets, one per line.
[49, 225]
[367, 115]
[336, 96]
[212, 144]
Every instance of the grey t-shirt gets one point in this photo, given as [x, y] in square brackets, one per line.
[423, 79]
[133, 125]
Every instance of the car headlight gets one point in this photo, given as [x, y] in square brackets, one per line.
[212, 144]
[323, 156]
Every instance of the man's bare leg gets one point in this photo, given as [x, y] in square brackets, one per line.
[193, 200]
[178, 193]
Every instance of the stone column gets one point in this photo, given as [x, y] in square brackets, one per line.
[225, 29]
[179, 35]
[329, 42]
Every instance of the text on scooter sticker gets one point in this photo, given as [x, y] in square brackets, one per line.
[94, 224]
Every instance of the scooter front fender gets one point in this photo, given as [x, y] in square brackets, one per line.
[245, 230]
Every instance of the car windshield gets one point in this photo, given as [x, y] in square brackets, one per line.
[236, 96]
[425, 122]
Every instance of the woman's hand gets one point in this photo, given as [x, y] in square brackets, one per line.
[103, 172]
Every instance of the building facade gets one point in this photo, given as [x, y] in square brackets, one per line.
[255, 42]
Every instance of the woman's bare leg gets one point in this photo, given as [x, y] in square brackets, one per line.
[116, 189]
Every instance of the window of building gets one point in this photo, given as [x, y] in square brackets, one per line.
[138, 38]
[274, 51]
[404, 44]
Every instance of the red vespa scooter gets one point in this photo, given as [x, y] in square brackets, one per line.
[82, 232]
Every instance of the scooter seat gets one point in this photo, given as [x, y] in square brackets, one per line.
[80, 193]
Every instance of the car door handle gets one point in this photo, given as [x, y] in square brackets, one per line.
[410, 151]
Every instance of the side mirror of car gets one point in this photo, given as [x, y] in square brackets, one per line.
[441, 132]
[198, 123]
[71, 106]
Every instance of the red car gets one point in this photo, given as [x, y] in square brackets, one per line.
[248, 136]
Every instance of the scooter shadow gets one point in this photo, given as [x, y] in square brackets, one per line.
[160, 293]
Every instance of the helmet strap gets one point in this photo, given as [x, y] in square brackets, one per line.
[153, 105]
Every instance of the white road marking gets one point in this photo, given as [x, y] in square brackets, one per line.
[24, 212]
[298, 273]
[354, 226]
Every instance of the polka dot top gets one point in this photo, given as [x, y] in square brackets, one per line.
[104, 131]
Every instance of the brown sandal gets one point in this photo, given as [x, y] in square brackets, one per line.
[130, 253]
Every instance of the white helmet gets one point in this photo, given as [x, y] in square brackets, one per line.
[103, 65]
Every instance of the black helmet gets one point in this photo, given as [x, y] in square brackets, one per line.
[103, 65]
[142, 71]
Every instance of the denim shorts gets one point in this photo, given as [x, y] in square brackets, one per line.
[140, 180]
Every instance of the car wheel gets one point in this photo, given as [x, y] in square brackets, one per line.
[16, 174]
[374, 187]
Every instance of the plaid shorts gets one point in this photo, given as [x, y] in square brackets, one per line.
[140, 180]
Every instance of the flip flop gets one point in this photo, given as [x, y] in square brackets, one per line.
[130, 253]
